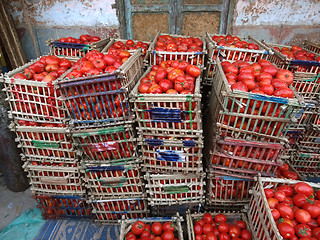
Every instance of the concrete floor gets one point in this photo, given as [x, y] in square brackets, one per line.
[13, 204]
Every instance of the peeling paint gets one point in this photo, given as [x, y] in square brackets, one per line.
[277, 12]
[85, 13]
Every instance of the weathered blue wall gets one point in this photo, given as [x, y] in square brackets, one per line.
[279, 21]
[52, 19]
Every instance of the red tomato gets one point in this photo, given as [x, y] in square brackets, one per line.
[277, 84]
[224, 236]
[303, 188]
[130, 236]
[145, 234]
[207, 228]
[315, 232]
[271, 69]
[241, 224]
[193, 71]
[160, 75]
[262, 76]
[313, 209]
[285, 211]
[168, 226]
[286, 230]
[20, 76]
[144, 87]
[165, 84]
[246, 234]
[239, 86]
[243, 76]
[211, 236]
[156, 228]
[299, 199]
[207, 218]
[275, 214]
[263, 62]
[272, 202]
[249, 83]
[231, 69]
[234, 231]
[286, 76]
[268, 192]
[280, 195]
[286, 189]
[303, 230]
[155, 89]
[220, 218]
[167, 235]
[198, 229]
[223, 227]
[302, 216]
[267, 89]
[284, 92]
[137, 227]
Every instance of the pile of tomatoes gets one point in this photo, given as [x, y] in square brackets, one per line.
[95, 63]
[260, 78]
[83, 39]
[47, 69]
[214, 228]
[170, 77]
[285, 172]
[297, 53]
[235, 42]
[129, 45]
[57, 206]
[178, 44]
[157, 231]
[296, 210]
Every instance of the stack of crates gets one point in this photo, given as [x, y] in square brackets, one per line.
[39, 121]
[240, 144]
[101, 124]
[169, 128]
[304, 135]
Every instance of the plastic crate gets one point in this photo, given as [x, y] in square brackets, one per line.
[245, 159]
[230, 53]
[171, 156]
[54, 179]
[112, 210]
[260, 218]
[126, 225]
[306, 163]
[227, 191]
[45, 144]
[168, 114]
[59, 207]
[310, 141]
[155, 57]
[74, 49]
[232, 112]
[32, 100]
[312, 46]
[232, 217]
[101, 100]
[293, 65]
[112, 146]
[114, 181]
[175, 189]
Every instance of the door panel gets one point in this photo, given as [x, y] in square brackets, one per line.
[197, 24]
[146, 32]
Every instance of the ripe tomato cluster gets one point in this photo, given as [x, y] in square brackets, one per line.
[157, 231]
[260, 78]
[95, 63]
[285, 172]
[170, 77]
[229, 189]
[214, 228]
[117, 208]
[129, 45]
[240, 154]
[296, 210]
[58, 207]
[83, 39]
[178, 44]
[297, 53]
[235, 42]
[47, 69]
